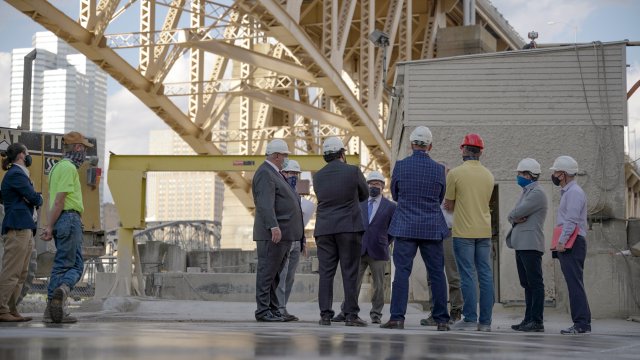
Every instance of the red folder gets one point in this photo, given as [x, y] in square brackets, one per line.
[557, 231]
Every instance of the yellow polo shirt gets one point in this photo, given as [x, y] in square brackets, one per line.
[470, 185]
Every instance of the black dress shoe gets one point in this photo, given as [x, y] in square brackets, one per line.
[355, 321]
[393, 324]
[516, 327]
[269, 317]
[532, 326]
[289, 317]
[443, 326]
[325, 321]
[339, 318]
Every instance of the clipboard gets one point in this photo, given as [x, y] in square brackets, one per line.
[557, 231]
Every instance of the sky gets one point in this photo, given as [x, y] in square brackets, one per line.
[586, 20]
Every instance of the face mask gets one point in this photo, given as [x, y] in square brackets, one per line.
[555, 180]
[76, 157]
[523, 181]
[466, 158]
[293, 181]
[28, 160]
[374, 191]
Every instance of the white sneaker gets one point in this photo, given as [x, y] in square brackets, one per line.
[464, 325]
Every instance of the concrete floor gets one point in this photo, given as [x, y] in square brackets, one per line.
[143, 329]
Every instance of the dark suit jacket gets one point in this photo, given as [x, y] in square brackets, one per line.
[20, 200]
[375, 240]
[277, 205]
[339, 188]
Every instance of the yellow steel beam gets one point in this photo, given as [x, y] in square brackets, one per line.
[146, 163]
[254, 58]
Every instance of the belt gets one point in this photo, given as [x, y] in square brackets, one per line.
[72, 212]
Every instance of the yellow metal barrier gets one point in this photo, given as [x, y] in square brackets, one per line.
[127, 182]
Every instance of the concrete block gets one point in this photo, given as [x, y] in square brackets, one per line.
[464, 40]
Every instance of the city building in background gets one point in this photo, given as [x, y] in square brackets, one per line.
[68, 91]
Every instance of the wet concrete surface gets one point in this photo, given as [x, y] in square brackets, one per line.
[217, 331]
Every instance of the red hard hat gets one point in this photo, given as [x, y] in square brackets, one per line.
[473, 140]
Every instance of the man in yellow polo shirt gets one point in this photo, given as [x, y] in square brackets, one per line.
[65, 226]
[469, 188]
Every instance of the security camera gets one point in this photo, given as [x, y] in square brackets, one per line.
[379, 38]
[532, 35]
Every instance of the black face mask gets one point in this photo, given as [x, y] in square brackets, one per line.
[28, 160]
[374, 191]
[555, 180]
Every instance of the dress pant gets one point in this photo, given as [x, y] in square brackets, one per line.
[343, 248]
[271, 260]
[377, 268]
[453, 277]
[404, 251]
[572, 265]
[529, 264]
[287, 276]
[15, 267]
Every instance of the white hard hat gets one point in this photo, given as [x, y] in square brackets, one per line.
[277, 146]
[292, 166]
[530, 165]
[421, 135]
[332, 145]
[375, 176]
[565, 163]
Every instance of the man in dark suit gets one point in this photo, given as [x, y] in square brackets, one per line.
[418, 185]
[278, 222]
[339, 189]
[376, 212]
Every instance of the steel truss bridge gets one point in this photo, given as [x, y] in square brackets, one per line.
[298, 69]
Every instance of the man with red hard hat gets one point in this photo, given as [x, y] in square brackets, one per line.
[469, 188]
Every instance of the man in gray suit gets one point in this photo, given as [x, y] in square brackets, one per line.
[339, 189]
[278, 222]
[527, 238]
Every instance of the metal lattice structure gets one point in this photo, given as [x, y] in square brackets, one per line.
[298, 69]
[188, 235]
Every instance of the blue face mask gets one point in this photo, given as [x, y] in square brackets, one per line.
[523, 181]
[293, 181]
[374, 191]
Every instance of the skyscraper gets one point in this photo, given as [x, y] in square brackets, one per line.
[181, 195]
[68, 91]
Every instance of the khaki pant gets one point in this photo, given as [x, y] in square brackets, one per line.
[15, 266]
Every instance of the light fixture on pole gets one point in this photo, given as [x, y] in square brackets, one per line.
[381, 39]
[575, 28]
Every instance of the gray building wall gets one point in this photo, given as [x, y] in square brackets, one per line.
[532, 104]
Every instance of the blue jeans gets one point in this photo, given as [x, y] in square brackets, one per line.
[67, 264]
[473, 257]
[432, 254]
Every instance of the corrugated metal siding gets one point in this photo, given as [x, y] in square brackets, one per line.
[534, 87]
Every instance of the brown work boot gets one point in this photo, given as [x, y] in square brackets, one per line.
[58, 301]
[7, 317]
[67, 319]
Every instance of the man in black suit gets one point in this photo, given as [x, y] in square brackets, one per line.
[278, 222]
[376, 212]
[339, 189]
